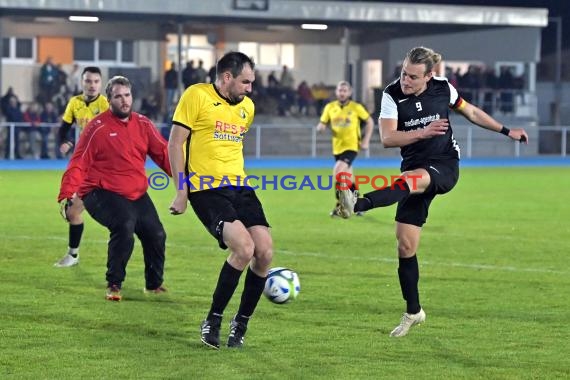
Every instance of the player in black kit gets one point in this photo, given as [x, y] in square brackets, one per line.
[415, 117]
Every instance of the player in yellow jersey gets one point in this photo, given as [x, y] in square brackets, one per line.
[344, 116]
[79, 111]
[211, 121]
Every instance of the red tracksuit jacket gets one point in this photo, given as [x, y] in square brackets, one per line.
[111, 155]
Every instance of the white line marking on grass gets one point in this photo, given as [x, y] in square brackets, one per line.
[458, 265]
[322, 255]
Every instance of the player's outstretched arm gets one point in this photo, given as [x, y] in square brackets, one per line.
[481, 118]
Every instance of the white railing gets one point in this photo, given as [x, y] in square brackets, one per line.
[519, 103]
[473, 140]
[10, 139]
[302, 140]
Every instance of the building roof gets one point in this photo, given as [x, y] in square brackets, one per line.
[286, 11]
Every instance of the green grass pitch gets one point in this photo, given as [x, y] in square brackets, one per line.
[494, 280]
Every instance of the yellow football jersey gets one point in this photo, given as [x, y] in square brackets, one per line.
[81, 113]
[345, 124]
[216, 143]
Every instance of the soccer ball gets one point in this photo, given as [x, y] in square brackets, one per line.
[282, 285]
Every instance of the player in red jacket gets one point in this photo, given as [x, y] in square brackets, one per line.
[107, 170]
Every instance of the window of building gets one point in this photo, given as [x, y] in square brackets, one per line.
[5, 48]
[269, 56]
[94, 51]
[19, 49]
[195, 47]
[199, 40]
[84, 49]
[107, 50]
[24, 48]
[127, 51]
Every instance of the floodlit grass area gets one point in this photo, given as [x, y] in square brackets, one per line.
[494, 277]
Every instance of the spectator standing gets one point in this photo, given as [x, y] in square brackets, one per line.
[13, 114]
[200, 73]
[49, 115]
[212, 74]
[171, 85]
[188, 74]
[49, 78]
[5, 101]
[32, 117]
[304, 98]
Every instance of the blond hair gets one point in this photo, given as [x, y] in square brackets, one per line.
[344, 83]
[423, 55]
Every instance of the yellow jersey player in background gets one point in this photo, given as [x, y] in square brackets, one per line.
[344, 116]
[79, 111]
[212, 119]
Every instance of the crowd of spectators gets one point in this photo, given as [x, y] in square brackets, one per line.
[274, 94]
[36, 120]
[484, 88]
[279, 95]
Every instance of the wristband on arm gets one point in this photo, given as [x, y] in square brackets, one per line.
[505, 131]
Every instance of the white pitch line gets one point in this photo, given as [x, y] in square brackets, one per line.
[324, 256]
[429, 263]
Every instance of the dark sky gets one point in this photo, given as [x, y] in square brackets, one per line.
[555, 8]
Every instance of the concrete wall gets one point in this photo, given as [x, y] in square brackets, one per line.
[545, 95]
[12, 77]
[322, 63]
[487, 46]
[130, 30]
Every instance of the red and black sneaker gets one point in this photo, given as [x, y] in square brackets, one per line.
[113, 293]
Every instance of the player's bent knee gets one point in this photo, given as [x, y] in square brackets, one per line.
[73, 213]
[264, 256]
[406, 248]
[242, 250]
[74, 218]
[124, 227]
[262, 262]
[157, 236]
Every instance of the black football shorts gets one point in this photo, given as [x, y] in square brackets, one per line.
[444, 176]
[216, 206]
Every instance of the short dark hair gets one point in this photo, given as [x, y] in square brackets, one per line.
[92, 70]
[117, 79]
[234, 61]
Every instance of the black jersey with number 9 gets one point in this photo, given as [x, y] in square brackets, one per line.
[415, 112]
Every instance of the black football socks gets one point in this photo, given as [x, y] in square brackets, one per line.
[227, 284]
[409, 275]
[252, 291]
[75, 233]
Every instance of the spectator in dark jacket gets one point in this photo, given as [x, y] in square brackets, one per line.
[171, 85]
[13, 114]
[32, 118]
[49, 116]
